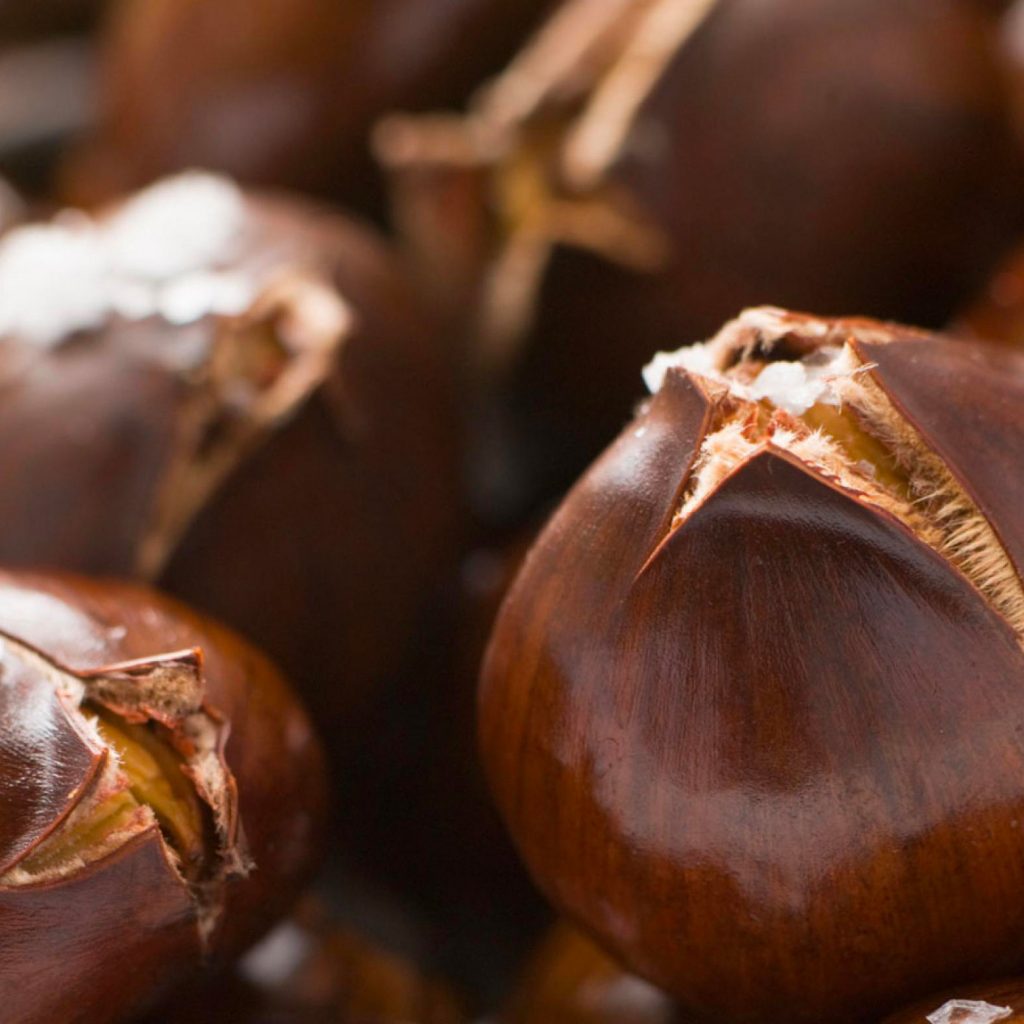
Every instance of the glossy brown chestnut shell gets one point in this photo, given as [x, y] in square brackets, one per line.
[752, 710]
[644, 169]
[280, 92]
[572, 981]
[287, 465]
[91, 933]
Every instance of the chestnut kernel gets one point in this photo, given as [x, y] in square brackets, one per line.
[752, 709]
[161, 791]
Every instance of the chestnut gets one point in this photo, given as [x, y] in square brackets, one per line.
[161, 796]
[752, 709]
[980, 1004]
[642, 170]
[280, 92]
[312, 970]
[572, 981]
[236, 396]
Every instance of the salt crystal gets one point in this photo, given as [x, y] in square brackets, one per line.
[968, 1011]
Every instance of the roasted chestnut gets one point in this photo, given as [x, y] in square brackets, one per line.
[982, 1004]
[752, 709]
[280, 92]
[644, 169]
[236, 396]
[161, 796]
[572, 981]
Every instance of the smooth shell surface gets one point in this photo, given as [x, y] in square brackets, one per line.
[771, 755]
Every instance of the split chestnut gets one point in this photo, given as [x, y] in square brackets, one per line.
[753, 709]
[161, 797]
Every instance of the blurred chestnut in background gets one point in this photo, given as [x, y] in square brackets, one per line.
[310, 971]
[997, 312]
[646, 167]
[752, 709]
[280, 92]
[12, 208]
[162, 796]
[27, 19]
[461, 873]
[980, 1004]
[236, 396]
[572, 981]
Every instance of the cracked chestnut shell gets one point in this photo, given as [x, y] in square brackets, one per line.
[102, 903]
[235, 396]
[280, 92]
[644, 169]
[753, 709]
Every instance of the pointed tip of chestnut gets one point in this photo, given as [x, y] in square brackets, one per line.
[755, 694]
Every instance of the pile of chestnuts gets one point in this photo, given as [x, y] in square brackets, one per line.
[512, 511]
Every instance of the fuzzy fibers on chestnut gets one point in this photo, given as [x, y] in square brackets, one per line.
[752, 710]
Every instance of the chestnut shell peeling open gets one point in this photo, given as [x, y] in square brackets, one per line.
[280, 92]
[644, 169]
[238, 397]
[97, 919]
[753, 709]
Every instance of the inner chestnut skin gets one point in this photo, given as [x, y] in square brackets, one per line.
[252, 87]
[101, 941]
[771, 758]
